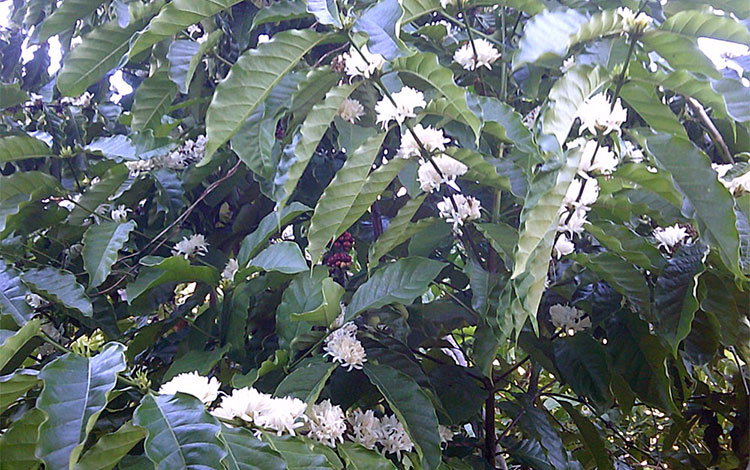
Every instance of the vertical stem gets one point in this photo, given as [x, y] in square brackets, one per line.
[465, 19]
[490, 439]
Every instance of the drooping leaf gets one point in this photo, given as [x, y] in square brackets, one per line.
[648, 105]
[174, 17]
[682, 52]
[357, 457]
[284, 257]
[303, 295]
[325, 11]
[250, 81]
[591, 437]
[98, 193]
[381, 23]
[13, 295]
[283, 10]
[181, 433]
[101, 243]
[14, 386]
[377, 181]
[247, 452]
[12, 95]
[697, 24]
[76, 390]
[254, 143]
[117, 147]
[307, 381]
[15, 343]
[111, 448]
[18, 442]
[583, 364]
[426, 68]
[412, 407]
[546, 36]
[401, 282]
[21, 147]
[152, 98]
[621, 275]
[172, 269]
[253, 243]
[59, 286]
[400, 228]
[501, 121]
[694, 177]
[336, 203]
[298, 452]
[327, 312]
[66, 15]
[503, 239]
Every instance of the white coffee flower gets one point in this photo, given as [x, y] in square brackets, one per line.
[430, 180]
[632, 22]
[575, 224]
[669, 237]
[596, 116]
[432, 139]
[737, 185]
[355, 65]
[284, 415]
[327, 423]
[186, 154]
[604, 161]
[568, 64]
[365, 427]
[563, 246]
[486, 55]
[466, 208]
[196, 245]
[589, 196]
[120, 214]
[192, 383]
[407, 100]
[343, 346]
[446, 435]
[230, 269]
[632, 152]
[393, 436]
[569, 319]
[530, 118]
[34, 300]
[351, 110]
[447, 3]
[136, 167]
[83, 101]
[263, 38]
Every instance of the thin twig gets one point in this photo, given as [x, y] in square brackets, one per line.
[700, 113]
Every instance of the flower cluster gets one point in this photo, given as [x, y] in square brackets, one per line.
[190, 152]
[281, 415]
[633, 23]
[596, 158]
[485, 56]
[598, 115]
[403, 105]
[432, 140]
[450, 169]
[192, 383]
[230, 270]
[356, 65]
[669, 237]
[369, 431]
[120, 214]
[196, 245]
[458, 208]
[327, 423]
[568, 318]
[736, 185]
[343, 346]
[351, 110]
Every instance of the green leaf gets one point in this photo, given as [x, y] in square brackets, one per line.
[13, 295]
[547, 36]
[479, 169]
[250, 81]
[426, 68]
[591, 437]
[66, 15]
[583, 364]
[400, 228]
[682, 52]
[735, 97]
[21, 147]
[381, 23]
[284, 257]
[502, 122]
[59, 286]
[327, 312]
[675, 299]
[172, 269]
[76, 390]
[697, 24]
[659, 182]
[247, 452]
[152, 99]
[101, 243]
[280, 11]
[621, 275]
[325, 11]
[307, 381]
[101, 51]
[15, 343]
[18, 442]
[413, 408]
[12, 95]
[98, 193]
[714, 206]
[357, 457]
[649, 106]
[503, 239]
[399, 282]
[303, 295]
[111, 448]
[298, 155]
[181, 433]
[271, 223]
[174, 17]
[14, 386]
[567, 95]
[195, 361]
[626, 243]
[255, 141]
[335, 204]
[298, 453]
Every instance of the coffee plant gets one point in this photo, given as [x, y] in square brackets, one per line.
[374, 235]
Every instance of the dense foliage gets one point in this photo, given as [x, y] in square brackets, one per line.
[372, 234]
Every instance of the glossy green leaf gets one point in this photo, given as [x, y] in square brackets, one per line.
[626, 243]
[503, 239]
[247, 452]
[377, 181]
[254, 143]
[335, 205]
[111, 448]
[399, 282]
[648, 105]
[60, 287]
[325, 11]
[659, 182]
[567, 95]
[194, 360]
[283, 10]
[583, 364]
[14, 386]
[181, 433]
[327, 312]
[12, 95]
[66, 15]
[735, 97]
[18, 442]
[694, 177]
[547, 36]
[172, 269]
[15, 343]
[357, 457]
[174, 17]
[101, 243]
[21, 147]
[591, 437]
[621, 275]
[426, 68]
[76, 390]
[682, 52]
[250, 81]
[98, 193]
[303, 295]
[381, 23]
[152, 99]
[101, 51]
[298, 155]
[298, 452]
[307, 381]
[271, 223]
[284, 257]
[412, 407]
[697, 24]
[400, 228]
[479, 169]
[502, 122]
[13, 295]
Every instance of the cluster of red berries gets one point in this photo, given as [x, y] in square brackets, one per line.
[338, 259]
[344, 242]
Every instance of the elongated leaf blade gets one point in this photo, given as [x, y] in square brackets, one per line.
[14, 386]
[700, 24]
[111, 448]
[21, 147]
[247, 452]
[15, 343]
[18, 442]
[358, 457]
[101, 243]
[398, 228]
[59, 286]
[152, 99]
[66, 15]
[13, 295]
